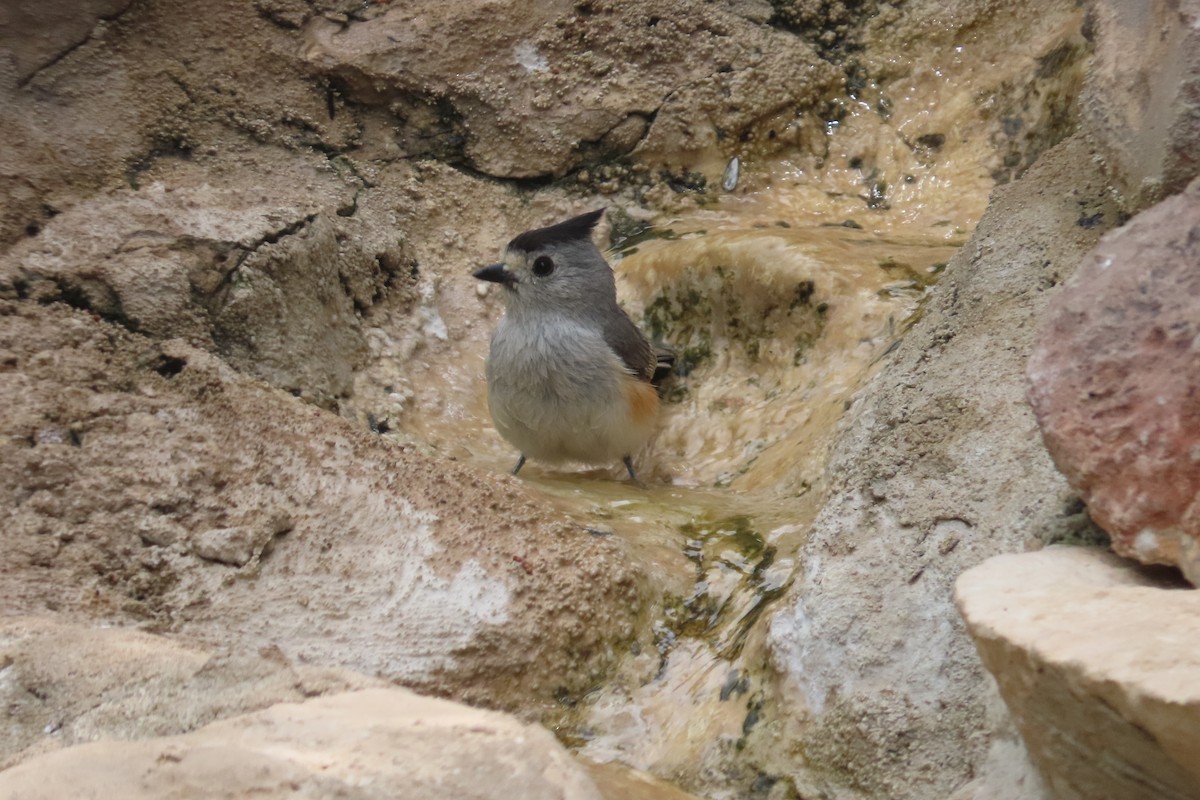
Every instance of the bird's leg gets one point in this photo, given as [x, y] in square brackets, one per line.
[628, 461]
[520, 463]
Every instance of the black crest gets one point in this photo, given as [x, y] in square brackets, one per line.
[572, 230]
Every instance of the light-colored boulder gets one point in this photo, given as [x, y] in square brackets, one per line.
[1115, 377]
[1098, 664]
[372, 744]
[63, 684]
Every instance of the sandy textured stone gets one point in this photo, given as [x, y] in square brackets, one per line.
[34, 35]
[63, 684]
[1098, 664]
[375, 743]
[540, 90]
[1142, 96]
[150, 481]
[258, 272]
[1115, 379]
[940, 467]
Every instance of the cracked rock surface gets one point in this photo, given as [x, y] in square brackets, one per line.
[269, 275]
[150, 483]
[538, 90]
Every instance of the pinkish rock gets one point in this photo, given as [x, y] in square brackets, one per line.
[1115, 384]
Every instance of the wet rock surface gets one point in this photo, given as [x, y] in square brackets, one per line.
[1114, 381]
[1095, 659]
[940, 467]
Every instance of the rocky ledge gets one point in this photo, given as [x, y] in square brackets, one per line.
[1096, 659]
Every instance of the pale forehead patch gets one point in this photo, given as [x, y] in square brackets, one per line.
[512, 259]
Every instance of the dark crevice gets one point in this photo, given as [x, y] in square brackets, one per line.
[183, 87]
[216, 298]
[77, 297]
[331, 98]
[534, 182]
[290, 230]
[95, 298]
[169, 366]
[833, 28]
[359, 306]
[176, 148]
[21, 84]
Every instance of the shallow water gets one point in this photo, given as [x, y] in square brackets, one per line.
[778, 327]
[779, 316]
[782, 298]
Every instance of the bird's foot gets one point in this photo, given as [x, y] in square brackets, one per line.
[633, 478]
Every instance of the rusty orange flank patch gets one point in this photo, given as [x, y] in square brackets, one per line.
[642, 398]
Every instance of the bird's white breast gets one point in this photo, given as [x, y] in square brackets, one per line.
[555, 392]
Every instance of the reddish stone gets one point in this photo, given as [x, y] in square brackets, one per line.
[1115, 383]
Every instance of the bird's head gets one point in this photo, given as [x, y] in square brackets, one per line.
[554, 267]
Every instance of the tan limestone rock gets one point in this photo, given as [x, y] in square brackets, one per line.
[376, 743]
[63, 684]
[149, 483]
[1098, 664]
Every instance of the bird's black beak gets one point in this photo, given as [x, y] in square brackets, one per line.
[496, 273]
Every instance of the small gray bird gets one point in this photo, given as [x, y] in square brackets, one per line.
[570, 377]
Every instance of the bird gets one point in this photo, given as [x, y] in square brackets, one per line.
[570, 377]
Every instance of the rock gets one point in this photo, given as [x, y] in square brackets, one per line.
[1098, 664]
[538, 92]
[33, 35]
[236, 546]
[334, 545]
[259, 273]
[92, 104]
[1142, 95]
[63, 684]
[940, 467]
[1115, 378]
[375, 743]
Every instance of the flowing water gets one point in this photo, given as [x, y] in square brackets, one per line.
[782, 298]
[778, 320]
[777, 325]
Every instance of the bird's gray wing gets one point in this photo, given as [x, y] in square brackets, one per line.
[628, 342]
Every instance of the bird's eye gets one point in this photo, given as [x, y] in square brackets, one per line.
[543, 266]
